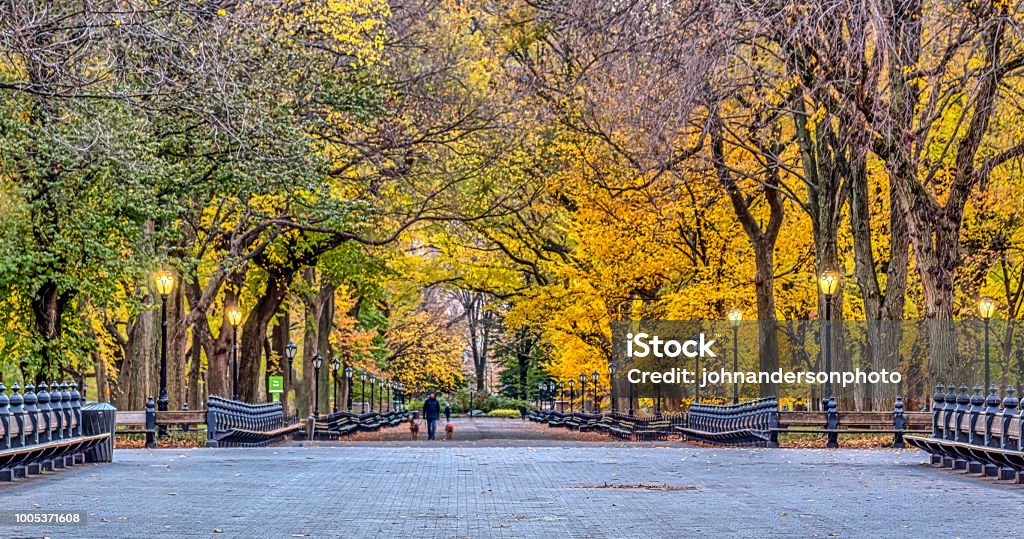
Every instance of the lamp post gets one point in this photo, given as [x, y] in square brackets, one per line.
[348, 384]
[583, 392]
[289, 353]
[373, 385]
[164, 284]
[335, 365]
[632, 393]
[561, 393]
[986, 307]
[571, 396]
[318, 362]
[381, 384]
[611, 387]
[541, 387]
[235, 318]
[594, 377]
[828, 283]
[362, 391]
[735, 317]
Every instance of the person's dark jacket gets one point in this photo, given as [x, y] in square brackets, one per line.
[431, 408]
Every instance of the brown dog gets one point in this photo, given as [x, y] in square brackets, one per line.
[449, 431]
[414, 428]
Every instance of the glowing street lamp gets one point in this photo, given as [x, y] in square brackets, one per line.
[234, 318]
[828, 283]
[986, 308]
[164, 282]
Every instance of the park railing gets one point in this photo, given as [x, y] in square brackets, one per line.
[758, 423]
[745, 423]
[232, 423]
[834, 423]
[977, 433]
[51, 428]
[155, 424]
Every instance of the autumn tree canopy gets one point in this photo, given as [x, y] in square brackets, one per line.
[469, 194]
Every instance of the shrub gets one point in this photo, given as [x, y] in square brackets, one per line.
[503, 412]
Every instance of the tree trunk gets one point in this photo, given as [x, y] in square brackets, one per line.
[196, 393]
[139, 376]
[767, 336]
[48, 305]
[177, 341]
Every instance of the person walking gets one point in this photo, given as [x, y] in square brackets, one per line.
[431, 412]
[447, 413]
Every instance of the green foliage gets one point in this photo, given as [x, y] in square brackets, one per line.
[504, 412]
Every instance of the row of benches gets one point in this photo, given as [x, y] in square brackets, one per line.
[51, 428]
[977, 433]
[232, 423]
[622, 426]
[343, 423]
[748, 423]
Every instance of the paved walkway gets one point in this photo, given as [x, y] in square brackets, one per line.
[486, 432]
[576, 489]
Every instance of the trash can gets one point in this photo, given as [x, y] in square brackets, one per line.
[99, 418]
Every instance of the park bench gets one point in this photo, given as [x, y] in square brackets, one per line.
[151, 421]
[538, 416]
[659, 427]
[338, 424]
[396, 417]
[51, 429]
[573, 421]
[589, 422]
[232, 423]
[652, 429]
[622, 426]
[556, 419]
[833, 424]
[370, 421]
[606, 421]
[975, 433]
[747, 423]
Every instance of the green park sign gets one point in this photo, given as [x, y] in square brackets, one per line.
[275, 386]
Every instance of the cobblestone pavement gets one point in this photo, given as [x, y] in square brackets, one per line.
[575, 489]
[486, 432]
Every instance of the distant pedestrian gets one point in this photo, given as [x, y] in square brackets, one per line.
[522, 412]
[431, 412]
[447, 413]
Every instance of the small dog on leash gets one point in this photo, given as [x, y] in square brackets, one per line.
[414, 428]
[449, 431]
